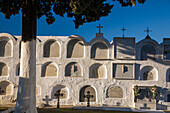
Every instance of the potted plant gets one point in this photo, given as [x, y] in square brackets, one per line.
[136, 91]
[166, 51]
[155, 91]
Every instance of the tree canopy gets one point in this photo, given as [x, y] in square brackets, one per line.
[83, 11]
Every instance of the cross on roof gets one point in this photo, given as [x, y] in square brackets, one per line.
[99, 28]
[123, 31]
[147, 30]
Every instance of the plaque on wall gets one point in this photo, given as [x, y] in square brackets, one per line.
[123, 71]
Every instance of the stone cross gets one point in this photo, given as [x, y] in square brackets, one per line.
[123, 31]
[99, 28]
[1, 91]
[47, 100]
[88, 96]
[147, 30]
[58, 94]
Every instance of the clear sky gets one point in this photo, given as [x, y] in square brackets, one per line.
[154, 14]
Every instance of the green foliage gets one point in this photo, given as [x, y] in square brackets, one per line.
[136, 90]
[10, 7]
[166, 51]
[126, 3]
[155, 91]
[83, 11]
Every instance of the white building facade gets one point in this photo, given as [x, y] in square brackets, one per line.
[109, 71]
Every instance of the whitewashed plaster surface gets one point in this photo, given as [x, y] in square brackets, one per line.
[73, 85]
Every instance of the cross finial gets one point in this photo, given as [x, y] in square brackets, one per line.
[147, 30]
[123, 31]
[99, 28]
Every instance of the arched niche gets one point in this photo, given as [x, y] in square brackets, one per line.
[18, 70]
[3, 69]
[20, 49]
[49, 70]
[114, 92]
[5, 47]
[99, 50]
[73, 69]
[75, 49]
[168, 97]
[149, 73]
[6, 88]
[97, 71]
[83, 92]
[168, 75]
[148, 52]
[63, 90]
[51, 49]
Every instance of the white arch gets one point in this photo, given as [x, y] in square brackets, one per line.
[83, 84]
[88, 86]
[45, 65]
[54, 40]
[12, 40]
[150, 68]
[78, 54]
[99, 65]
[81, 68]
[64, 86]
[7, 67]
[11, 85]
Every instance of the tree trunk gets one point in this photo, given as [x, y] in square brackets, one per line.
[26, 96]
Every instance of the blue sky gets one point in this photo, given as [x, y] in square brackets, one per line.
[154, 14]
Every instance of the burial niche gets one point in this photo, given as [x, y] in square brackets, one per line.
[5, 48]
[145, 95]
[3, 69]
[49, 70]
[148, 73]
[6, 88]
[123, 71]
[75, 49]
[99, 50]
[51, 49]
[168, 75]
[148, 52]
[97, 71]
[115, 92]
[84, 91]
[168, 98]
[18, 70]
[73, 69]
[63, 90]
